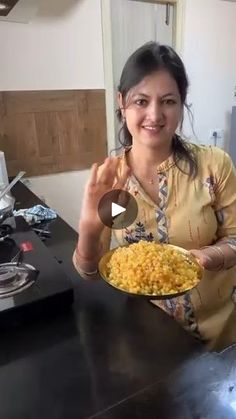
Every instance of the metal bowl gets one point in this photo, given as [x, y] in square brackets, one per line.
[104, 273]
[6, 207]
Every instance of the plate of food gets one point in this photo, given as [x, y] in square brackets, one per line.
[152, 270]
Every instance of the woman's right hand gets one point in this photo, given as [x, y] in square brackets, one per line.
[101, 181]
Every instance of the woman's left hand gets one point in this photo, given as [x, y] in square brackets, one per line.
[207, 258]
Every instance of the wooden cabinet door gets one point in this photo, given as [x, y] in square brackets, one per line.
[45, 132]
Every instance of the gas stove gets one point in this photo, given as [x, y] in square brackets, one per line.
[15, 277]
[32, 283]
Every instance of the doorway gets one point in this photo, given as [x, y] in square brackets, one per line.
[127, 24]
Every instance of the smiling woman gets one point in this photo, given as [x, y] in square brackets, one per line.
[152, 113]
[152, 94]
[185, 194]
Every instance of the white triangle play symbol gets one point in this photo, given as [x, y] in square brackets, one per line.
[116, 209]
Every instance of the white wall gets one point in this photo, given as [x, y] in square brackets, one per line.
[62, 192]
[210, 59]
[59, 49]
[54, 51]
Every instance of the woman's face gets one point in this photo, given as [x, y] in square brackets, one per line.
[153, 110]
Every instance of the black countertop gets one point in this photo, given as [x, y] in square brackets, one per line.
[110, 356]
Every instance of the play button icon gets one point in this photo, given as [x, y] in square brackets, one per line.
[117, 209]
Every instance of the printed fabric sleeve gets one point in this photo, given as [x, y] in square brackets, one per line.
[225, 203]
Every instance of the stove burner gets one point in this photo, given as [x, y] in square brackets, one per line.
[15, 278]
[5, 231]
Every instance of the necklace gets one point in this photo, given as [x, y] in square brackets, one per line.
[150, 181]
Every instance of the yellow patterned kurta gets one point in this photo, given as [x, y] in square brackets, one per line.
[193, 214]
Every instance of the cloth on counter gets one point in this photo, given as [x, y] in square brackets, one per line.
[36, 214]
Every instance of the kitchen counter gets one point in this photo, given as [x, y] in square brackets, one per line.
[110, 356]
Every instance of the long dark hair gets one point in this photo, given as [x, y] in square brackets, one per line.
[145, 60]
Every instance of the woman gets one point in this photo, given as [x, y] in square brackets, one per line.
[186, 194]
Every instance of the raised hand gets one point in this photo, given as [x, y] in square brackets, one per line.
[101, 181]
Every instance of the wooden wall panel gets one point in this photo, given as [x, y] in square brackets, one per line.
[45, 124]
[39, 101]
[48, 132]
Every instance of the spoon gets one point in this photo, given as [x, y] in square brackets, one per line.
[18, 258]
[11, 184]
